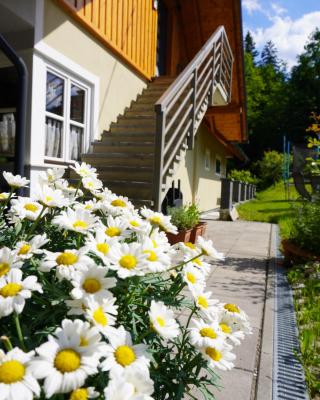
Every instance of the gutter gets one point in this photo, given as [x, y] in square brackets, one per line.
[19, 155]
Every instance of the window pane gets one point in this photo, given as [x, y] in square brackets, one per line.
[218, 166]
[77, 104]
[54, 131]
[55, 91]
[75, 142]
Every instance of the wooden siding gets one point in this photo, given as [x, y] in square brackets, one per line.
[127, 27]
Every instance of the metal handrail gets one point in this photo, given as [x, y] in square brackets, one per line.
[180, 109]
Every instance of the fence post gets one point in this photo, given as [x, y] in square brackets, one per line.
[193, 109]
[226, 194]
[158, 159]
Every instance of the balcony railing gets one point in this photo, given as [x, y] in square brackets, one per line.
[181, 108]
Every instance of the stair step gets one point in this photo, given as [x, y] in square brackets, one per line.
[132, 189]
[128, 129]
[141, 113]
[104, 148]
[124, 173]
[138, 117]
[133, 134]
[128, 140]
[118, 159]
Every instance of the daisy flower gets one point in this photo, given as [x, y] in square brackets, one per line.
[66, 262]
[83, 394]
[4, 196]
[63, 363]
[103, 195]
[116, 226]
[25, 250]
[14, 291]
[127, 259]
[50, 197]
[84, 170]
[231, 330]
[138, 225]
[203, 334]
[51, 175]
[157, 259]
[193, 277]
[219, 356]
[162, 320]
[131, 384]
[117, 205]
[209, 307]
[77, 221]
[100, 243]
[92, 183]
[26, 208]
[201, 265]
[70, 191]
[15, 181]
[208, 250]
[16, 380]
[159, 220]
[90, 205]
[92, 282]
[8, 260]
[101, 314]
[233, 315]
[120, 353]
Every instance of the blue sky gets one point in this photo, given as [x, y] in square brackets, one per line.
[288, 23]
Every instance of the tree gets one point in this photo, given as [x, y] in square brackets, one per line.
[269, 55]
[250, 46]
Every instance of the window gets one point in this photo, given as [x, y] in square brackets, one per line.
[207, 155]
[66, 117]
[218, 165]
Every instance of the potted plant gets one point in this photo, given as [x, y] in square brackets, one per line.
[200, 228]
[185, 221]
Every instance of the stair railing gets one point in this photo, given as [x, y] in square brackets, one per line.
[181, 108]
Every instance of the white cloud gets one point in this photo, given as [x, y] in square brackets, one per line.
[251, 5]
[288, 35]
[279, 10]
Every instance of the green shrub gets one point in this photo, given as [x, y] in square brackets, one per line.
[305, 226]
[185, 217]
[269, 170]
[242, 176]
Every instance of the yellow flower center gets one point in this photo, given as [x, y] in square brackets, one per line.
[67, 360]
[198, 262]
[79, 394]
[124, 355]
[47, 199]
[113, 231]
[24, 249]
[152, 255]
[31, 207]
[225, 328]
[4, 268]
[88, 207]
[11, 371]
[190, 245]
[3, 196]
[10, 289]
[155, 245]
[161, 321]
[208, 332]
[232, 308]
[100, 317]
[83, 341]
[191, 278]
[80, 224]
[213, 353]
[103, 248]
[155, 220]
[118, 203]
[202, 301]
[128, 261]
[91, 285]
[67, 258]
[134, 223]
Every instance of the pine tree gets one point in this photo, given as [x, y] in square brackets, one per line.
[269, 55]
[250, 46]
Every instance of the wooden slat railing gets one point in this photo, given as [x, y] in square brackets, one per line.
[181, 108]
[127, 27]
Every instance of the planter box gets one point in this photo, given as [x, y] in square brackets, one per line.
[181, 236]
[198, 230]
[294, 253]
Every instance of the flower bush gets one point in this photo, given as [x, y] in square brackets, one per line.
[94, 302]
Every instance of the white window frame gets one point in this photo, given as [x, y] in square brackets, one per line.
[66, 119]
[218, 158]
[207, 160]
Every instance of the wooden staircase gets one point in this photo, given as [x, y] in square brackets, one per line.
[124, 157]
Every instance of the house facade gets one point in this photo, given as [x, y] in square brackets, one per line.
[151, 93]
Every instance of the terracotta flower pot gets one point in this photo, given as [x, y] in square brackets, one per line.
[295, 253]
[198, 230]
[181, 236]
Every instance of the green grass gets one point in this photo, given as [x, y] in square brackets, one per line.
[271, 206]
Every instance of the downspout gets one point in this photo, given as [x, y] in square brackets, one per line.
[19, 155]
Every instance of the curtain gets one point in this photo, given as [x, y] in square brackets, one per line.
[75, 142]
[53, 138]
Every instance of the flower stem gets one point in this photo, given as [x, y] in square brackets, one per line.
[7, 342]
[36, 222]
[19, 331]
[184, 263]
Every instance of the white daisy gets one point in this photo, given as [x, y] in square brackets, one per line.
[234, 315]
[66, 262]
[103, 195]
[203, 334]
[8, 260]
[83, 394]
[157, 259]
[77, 221]
[208, 250]
[138, 225]
[116, 227]
[101, 314]
[100, 243]
[117, 205]
[209, 307]
[219, 356]
[15, 181]
[158, 220]
[193, 277]
[25, 249]
[201, 265]
[231, 330]
[26, 208]
[14, 291]
[50, 197]
[70, 191]
[63, 363]
[92, 183]
[120, 353]
[51, 175]
[84, 170]
[16, 380]
[127, 259]
[90, 205]
[92, 282]
[162, 320]
[4, 196]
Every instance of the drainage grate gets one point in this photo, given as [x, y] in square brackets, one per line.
[288, 374]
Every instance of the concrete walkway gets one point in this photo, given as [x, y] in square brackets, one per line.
[245, 278]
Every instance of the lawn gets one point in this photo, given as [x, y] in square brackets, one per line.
[272, 206]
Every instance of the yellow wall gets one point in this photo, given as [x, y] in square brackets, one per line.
[197, 184]
[118, 84]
